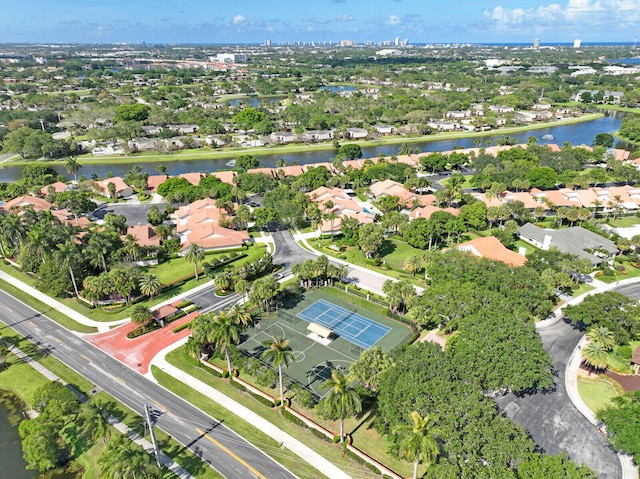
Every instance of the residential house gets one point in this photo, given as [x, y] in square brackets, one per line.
[122, 189]
[145, 235]
[151, 130]
[393, 188]
[575, 240]
[154, 181]
[314, 136]
[184, 129]
[357, 133]
[226, 176]
[193, 178]
[343, 206]
[143, 144]
[458, 114]
[442, 125]
[216, 140]
[385, 129]
[491, 248]
[283, 137]
[21, 202]
[426, 212]
[57, 187]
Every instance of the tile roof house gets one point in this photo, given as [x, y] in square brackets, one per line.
[393, 188]
[193, 178]
[426, 212]
[145, 235]
[58, 187]
[575, 240]
[343, 206]
[491, 248]
[154, 181]
[122, 189]
[226, 176]
[198, 222]
[25, 201]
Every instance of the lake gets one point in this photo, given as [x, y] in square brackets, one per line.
[576, 134]
[13, 464]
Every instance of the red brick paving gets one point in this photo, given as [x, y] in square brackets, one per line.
[628, 383]
[138, 352]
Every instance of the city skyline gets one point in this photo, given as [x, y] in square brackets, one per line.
[202, 21]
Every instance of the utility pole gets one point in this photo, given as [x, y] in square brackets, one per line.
[153, 436]
[42, 124]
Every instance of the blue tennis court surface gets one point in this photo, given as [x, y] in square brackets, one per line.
[348, 324]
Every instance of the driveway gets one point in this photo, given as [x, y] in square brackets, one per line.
[136, 214]
[551, 418]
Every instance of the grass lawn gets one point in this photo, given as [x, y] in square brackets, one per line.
[618, 365]
[624, 222]
[596, 394]
[631, 271]
[325, 449]
[21, 379]
[393, 252]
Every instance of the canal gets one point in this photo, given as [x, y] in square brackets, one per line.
[576, 134]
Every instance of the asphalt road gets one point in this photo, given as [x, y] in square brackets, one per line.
[217, 445]
[289, 252]
[551, 418]
[136, 214]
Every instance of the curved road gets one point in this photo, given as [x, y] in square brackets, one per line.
[552, 420]
[217, 445]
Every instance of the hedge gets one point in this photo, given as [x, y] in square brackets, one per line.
[359, 460]
[293, 418]
[181, 327]
[184, 304]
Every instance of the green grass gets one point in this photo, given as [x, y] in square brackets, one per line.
[596, 394]
[624, 222]
[631, 272]
[393, 253]
[21, 379]
[303, 470]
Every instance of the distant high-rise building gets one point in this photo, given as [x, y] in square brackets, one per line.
[397, 41]
[267, 43]
[577, 43]
[536, 43]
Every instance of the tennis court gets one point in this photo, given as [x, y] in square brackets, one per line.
[349, 325]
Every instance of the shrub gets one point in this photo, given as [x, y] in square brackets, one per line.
[292, 417]
[304, 398]
[359, 460]
[181, 327]
[624, 352]
[184, 304]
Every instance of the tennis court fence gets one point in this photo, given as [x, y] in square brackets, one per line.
[287, 317]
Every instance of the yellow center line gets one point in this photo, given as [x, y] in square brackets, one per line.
[57, 340]
[232, 454]
[8, 309]
[159, 405]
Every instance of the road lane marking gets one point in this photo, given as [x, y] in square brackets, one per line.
[8, 309]
[57, 340]
[159, 405]
[231, 453]
[85, 358]
[119, 379]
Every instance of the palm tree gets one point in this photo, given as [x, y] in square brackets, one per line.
[413, 263]
[194, 254]
[141, 314]
[37, 239]
[68, 255]
[95, 420]
[418, 442]
[223, 280]
[602, 335]
[150, 285]
[595, 355]
[224, 332]
[342, 401]
[98, 247]
[4, 352]
[240, 315]
[241, 287]
[72, 166]
[280, 354]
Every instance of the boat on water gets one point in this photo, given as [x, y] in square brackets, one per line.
[547, 137]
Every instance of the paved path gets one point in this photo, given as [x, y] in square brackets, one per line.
[121, 427]
[287, 441]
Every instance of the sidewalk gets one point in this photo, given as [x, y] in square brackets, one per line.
[121, 427]
[307, 454]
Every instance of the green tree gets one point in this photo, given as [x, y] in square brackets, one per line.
[124, 459]
[134, 112]
[602, 335]
[194, 254]
[223, 333]
[70, 257]
[141, 315]
[279, 353]
[603, 139]
[341, 402]
[595, 355]
[370, 238]
[418, 443]
[72, 166]
[413, 264]
[542, 466]
[350, 151]
[622, 418]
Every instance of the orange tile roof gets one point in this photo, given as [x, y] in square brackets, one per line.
[58, 187]
[154, 181]
[428, 210]
[491, 248]
[225, 176]
[193, 178]
[116, 180]
[362, 217]
[20, 202]
[213, 236]
[145, 235]
[266, 171]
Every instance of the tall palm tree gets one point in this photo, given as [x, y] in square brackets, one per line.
[95, 420]
[242, 287]
[280, 354]
[69, 256]
[98, 248]
[150, 285]
[223, 280]
[342, 401]
[194, 254]
[37, 239]
[72, 166]
[224, 332]
[418, 442]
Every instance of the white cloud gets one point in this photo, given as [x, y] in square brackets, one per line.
[345, 18]
[239, 20]
[393, 20]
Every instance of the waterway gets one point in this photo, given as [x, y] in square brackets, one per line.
[13, 465]
[576, 134]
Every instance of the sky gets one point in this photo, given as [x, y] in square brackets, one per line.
[253, 21]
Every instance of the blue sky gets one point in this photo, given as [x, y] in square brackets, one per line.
[249, 21]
